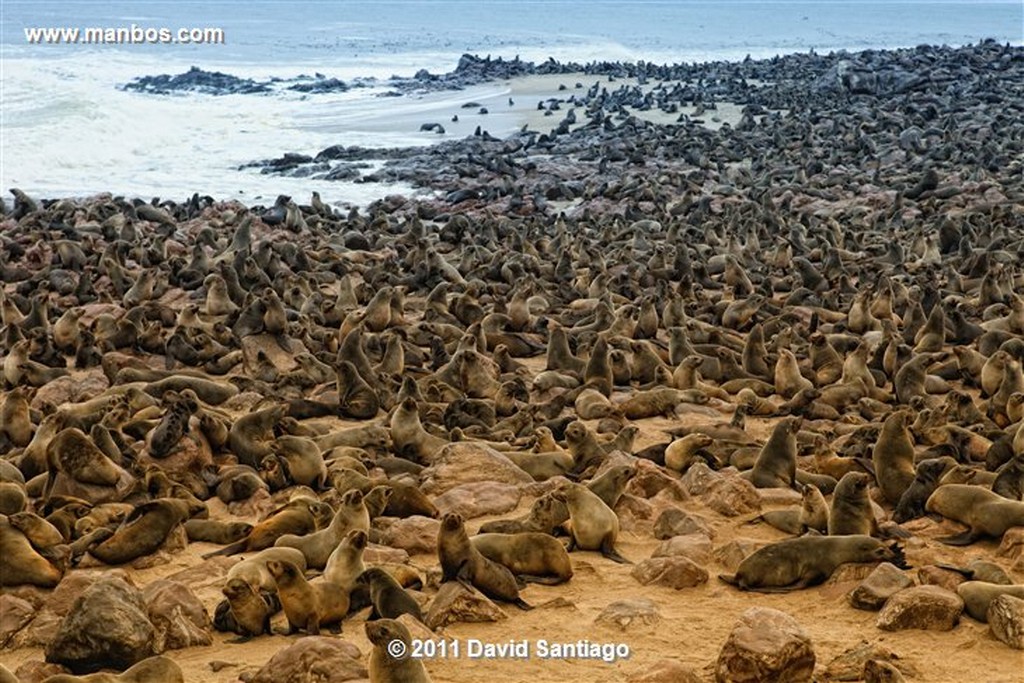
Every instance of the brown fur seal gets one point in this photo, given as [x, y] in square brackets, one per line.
[926, 480]
[893, 457]
[683, 452]
[386, 668]
[251, 435]
[545, 514]
[986, 513]
[249, 609]
[254, 569]
[409, 437]
[300, 516]
[158, 669]
[532, 557]
[813, 513]
[23, 565]
[346, 561]
[461, 561]
[143, 531]
[318, 545]
[387, 596]
[307, 606]
[12, 497]
[807, 561]
[775, 466]
[978, 595]
[851, 512]
[15, 420]
[595, 526]
[73, 454]
[216, 531]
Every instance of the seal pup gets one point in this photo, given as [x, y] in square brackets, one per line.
[387, 596]
[798, 563]
[318, 545]
[593, 525]
[893, 457]
[385, 667]
[307, 606]
[250, 611]
[461, 561]
[851, 512]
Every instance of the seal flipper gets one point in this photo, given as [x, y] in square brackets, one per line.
[544, 580]
[522, 604]
[966, 538]
[729, 579]
[609, 551]
[283, 342]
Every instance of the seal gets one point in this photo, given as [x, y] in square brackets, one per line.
[851, 512]
[345, 564]
[410, 439]
[254, 569]
[461, 561]
[250, 436]
[926, 480]
[987, 514]
[978, 595]
[144, 530]
[299, 516]
[1009, 481]
[307, 606]
[73, 454]
[798, 563]
[532, 557]
[23, 565]
[545, 514]
[595, 526]
[813, 513]
[157, 669]
[893, 457]
[387, 596]
[216, 531]
[15, 419]
[775, 466]
[686, 450]
[386, 668]
[318, 545]
[250, 611]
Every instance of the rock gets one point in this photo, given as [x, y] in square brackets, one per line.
[694, 547]
[924, 607]
[632, 510]
[650, 480]
[479, 499]
[465, 463]
[883, 582]
[106, 627]
[665, 671]
[211, 572]
[1006, 619]
[734, 552]
[625, 613]
[177, 615]
[313, 658]
[82, 387]
[930, 575]
[849, 666]
[15, 613]
[381, 554]
[457, 603]
[74, 585]
[876, 671]
[732, 496]
[671, 572]
[414, 534]
[676, 522]
[766, 645]
[39, 632]
[1012, 545]
[34, 671]
[283, 362]
[699, 478]
[851, 571]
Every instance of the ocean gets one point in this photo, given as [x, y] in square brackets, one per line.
[67, 129]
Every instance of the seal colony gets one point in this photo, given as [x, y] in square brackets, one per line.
[639, 330]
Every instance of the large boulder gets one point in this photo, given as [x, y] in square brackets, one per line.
[466, 463]
[479, 499]
[672, 572]
[456, 603]
[1006, 619]
[766, 645]
[107, 627]
[927, 608]
[177, 615]
[414, 534]
[882, 583]
[314, 658]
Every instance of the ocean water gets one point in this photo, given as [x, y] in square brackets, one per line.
[66, 129]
